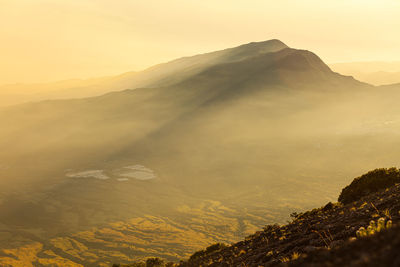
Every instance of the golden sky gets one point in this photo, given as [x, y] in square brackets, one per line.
[48, 40]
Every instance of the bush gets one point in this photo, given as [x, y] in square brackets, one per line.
[208, 250]
[370, 182]
[215, 247]
[197, 254]
[150, 262]
[374, 227]
[154, 262]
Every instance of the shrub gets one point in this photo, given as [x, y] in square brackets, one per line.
[374, 227]
[370, 182]
[215, 247]
[208, 250]
[197, 254]
[154, 262]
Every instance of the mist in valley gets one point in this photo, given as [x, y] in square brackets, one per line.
[213, 147]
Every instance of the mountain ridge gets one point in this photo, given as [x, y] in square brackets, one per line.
[149, 77]
[164, 74]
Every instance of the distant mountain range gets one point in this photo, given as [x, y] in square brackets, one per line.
[376, 73]
[241, 137]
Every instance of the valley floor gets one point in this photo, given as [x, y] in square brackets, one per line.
[171, 238]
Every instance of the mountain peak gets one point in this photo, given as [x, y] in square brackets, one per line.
[271, 42]
[255, 49]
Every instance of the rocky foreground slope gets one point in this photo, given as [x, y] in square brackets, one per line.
[328, 236]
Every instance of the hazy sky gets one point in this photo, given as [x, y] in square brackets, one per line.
[47, 40]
